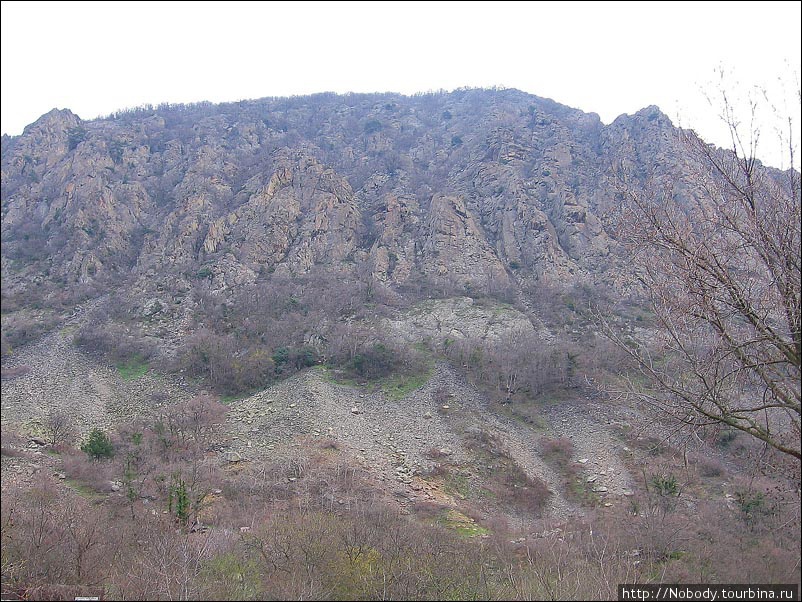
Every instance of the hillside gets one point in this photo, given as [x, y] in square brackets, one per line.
[192, 217]
[359, 347]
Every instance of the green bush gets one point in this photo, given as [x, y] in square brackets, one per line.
[665, 486]
[178, 500]
[281, 356]
[751, 504]
[375, 362]
[99, 446]
[294, 357]
[305, 357]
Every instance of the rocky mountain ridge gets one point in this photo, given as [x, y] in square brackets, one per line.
[478, 190]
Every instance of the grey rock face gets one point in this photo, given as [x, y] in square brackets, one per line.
[508, 189]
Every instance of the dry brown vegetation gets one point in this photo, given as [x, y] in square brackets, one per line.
[316, 526]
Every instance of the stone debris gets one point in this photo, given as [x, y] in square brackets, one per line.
[395, 438]
[232, 457]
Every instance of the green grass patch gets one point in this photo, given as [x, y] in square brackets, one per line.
[395, 386]
[424, 348]
[459, 485]
[69, 330]
[463, 525]
[398, 386]
[582, 492]
[486, 494]
[471, 530]
[525, 412]
[231, 398]
[85, 491]
[132, 369]
[338, 377]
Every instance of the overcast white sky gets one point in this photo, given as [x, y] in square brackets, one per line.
[608, 58]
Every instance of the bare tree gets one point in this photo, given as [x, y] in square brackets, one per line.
[59, 427]
[718, 254]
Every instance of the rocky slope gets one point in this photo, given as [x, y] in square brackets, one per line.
[400, 441]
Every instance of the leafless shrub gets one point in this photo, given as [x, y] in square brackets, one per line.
[480, 438]
[192, 423]
[438, 470]
[557, 449]
[63, 592]
[22, 328]
[516, 489]
[709, 466]
[330, 444]
[515, 369]
[222, 360]
[59, 427]
[428, 510]
[94, 475]
[115, 342]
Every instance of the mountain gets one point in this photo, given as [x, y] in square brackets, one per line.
[475, 192]
[350, 347]
[471, 187]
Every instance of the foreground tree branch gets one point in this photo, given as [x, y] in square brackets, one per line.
[718, 255]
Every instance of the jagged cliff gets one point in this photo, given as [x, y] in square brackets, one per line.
[478, 188]
[475, 192]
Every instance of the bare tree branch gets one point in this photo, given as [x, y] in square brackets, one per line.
[718, 256]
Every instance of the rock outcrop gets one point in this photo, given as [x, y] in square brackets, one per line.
[472, 192]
